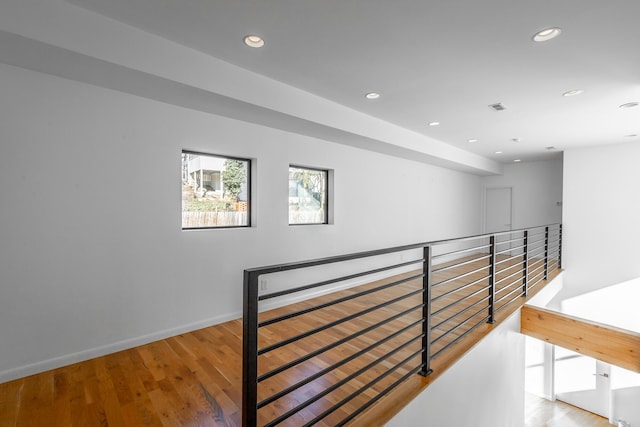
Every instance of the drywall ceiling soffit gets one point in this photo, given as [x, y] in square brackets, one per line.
[35, 55]
[432, 60]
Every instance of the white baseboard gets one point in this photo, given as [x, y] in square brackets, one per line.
[68, 359]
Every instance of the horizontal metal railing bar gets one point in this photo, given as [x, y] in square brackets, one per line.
[504, 273]
[501, 233]
[467, 332]
[515, 248]
[333, 259]
[457, 326]
[533, 271]
[344, 361]
[506, 304]
[471, 261]
[519, 272]
[339, 300]
[367, 254]
[462, 312]
[536, 245]
[345, 380]
[453, 291]
[334, 344]
[337, 280]
[507, 268]
[536, 282]
[504, 288]
[504, 251]
[505, 296]
[537, 260]
[534, 276]
[535, 251]
[533, 262]
[380, 395]
[460, 276]
[547, 246]
[460, 251]
[458, 301]
[336, 322]
[503, 242]
[365, 387]
[511, 258]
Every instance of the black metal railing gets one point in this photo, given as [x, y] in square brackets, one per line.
[323, 340]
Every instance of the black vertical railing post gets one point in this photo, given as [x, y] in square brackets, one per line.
[525, 263]
[546, 252]
[492, 278]
[426, 312]
[250, 350]
[559, 246]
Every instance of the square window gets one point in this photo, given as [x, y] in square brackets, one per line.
[308, 195]
[215, 191]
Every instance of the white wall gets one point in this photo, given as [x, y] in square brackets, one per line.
[615, 305]
[601, 211]
[92, 256]
[483, 389]
[537, 189]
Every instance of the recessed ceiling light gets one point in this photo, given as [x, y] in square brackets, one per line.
[473, 140]
[434, 123]
[631, 135]
[546, 34]
[630, 105]
[515, 139]
[550, 148]
[498, 152]
[372, 95]
[252, 40]
[573, 92]
[517, 161]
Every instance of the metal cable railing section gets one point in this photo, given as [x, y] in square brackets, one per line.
[326, 339]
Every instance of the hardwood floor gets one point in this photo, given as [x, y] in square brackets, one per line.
[544, 413]
[196, 378]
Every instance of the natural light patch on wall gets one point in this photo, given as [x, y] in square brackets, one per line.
[615, 305]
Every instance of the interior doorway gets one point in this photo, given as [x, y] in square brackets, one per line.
[583, 382]
[497, 209]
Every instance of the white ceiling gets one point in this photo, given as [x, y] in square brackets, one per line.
[433, 60]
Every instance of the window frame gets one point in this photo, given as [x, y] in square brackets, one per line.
[248, 190]
[327, 193]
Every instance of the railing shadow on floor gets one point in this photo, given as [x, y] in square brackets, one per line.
[325, 339]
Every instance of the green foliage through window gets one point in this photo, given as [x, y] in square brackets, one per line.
[215, 191]
[308, 195]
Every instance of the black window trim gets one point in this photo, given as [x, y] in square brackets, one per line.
[249, 194]
[326, 202]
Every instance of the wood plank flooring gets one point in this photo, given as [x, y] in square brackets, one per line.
[544, 413]
[195, 378]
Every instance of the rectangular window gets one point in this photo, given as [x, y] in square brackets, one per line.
[308, 195]
[215, 191]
